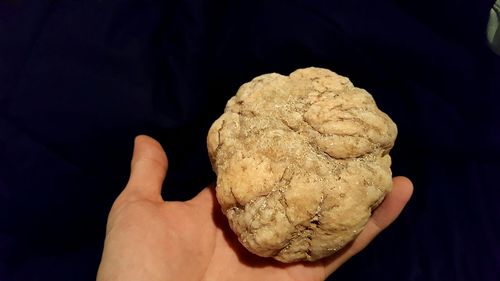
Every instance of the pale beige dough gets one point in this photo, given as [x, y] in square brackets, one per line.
[301, 162]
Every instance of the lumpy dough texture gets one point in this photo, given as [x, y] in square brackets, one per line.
[301, 162]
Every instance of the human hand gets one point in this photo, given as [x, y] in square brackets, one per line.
[150, 239]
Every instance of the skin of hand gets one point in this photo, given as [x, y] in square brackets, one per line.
[148, 238]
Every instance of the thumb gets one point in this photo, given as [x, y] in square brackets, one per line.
[148, 169]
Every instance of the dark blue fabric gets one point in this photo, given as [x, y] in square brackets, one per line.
[79, 79]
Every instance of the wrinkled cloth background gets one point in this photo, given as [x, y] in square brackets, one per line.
[79, 79]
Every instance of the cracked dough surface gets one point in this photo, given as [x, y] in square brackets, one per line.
[301, 162]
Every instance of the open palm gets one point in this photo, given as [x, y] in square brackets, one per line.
[150, 239]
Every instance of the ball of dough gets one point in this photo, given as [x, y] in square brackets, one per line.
[301, 162]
